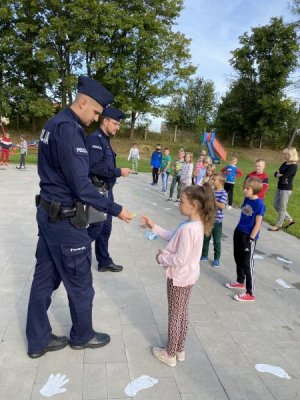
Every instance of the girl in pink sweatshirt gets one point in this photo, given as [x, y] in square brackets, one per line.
[180, 260]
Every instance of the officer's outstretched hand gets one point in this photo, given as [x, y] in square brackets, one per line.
[126, 171]
[125, 215]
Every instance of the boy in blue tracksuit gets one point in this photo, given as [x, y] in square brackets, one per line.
[155, 163]
[244, 239]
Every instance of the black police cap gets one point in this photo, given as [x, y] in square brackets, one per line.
[113, 113]
[95, 90]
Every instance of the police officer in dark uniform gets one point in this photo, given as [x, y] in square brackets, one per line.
[103, 169]
[64, 247]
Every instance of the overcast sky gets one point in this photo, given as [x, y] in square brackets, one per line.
[215, 26]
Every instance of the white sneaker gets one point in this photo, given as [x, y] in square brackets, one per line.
[180, 355]
[162, 355]
[229, 207]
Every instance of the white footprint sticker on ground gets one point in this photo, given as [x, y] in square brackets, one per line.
[284, 260]
[54, 385]
[283, 284]
[154, 204]
[143, 382]
[169, 209]
[258, 257]
[271, 369]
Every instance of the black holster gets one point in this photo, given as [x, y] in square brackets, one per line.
[53, 208]
[79, 220]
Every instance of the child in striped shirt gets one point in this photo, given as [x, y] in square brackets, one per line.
[217, 181]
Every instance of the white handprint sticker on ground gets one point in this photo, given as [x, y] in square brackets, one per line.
[54, 385]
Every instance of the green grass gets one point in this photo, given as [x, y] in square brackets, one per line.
[271, 215]
[30, 158]
[245, 165]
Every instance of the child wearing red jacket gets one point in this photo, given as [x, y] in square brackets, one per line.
[6, 144]
[259, 173]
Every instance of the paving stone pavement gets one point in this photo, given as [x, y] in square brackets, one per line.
[226, 339]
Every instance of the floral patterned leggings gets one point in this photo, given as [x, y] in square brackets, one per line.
[178, 302]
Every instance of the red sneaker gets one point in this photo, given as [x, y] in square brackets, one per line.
[244, 297]
[235, 285]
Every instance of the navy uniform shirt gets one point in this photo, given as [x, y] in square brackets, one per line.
[63, 165]
[102, 158]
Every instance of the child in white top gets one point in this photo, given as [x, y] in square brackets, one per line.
[180, 260]
[187, 170]
[134, 156]
[23, 152]
[202, 171]
[198, 165]
[210, 170]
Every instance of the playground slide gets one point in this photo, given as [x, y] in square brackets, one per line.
[222, 153]
[212, 154]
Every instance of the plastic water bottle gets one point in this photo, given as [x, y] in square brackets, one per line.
[151, 235]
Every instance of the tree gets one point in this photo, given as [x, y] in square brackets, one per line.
[6, 29]
[147, 60]
[194, 107]
[263, 62]
[295, 7]
[26, 65]
[238, 111]
[61, 35]
[129, 46]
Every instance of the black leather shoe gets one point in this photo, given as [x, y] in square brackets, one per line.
[55, 343]
[111, 267]
[99, 340]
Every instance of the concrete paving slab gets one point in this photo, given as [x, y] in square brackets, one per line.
[114, 353]
[225, 341]
[94, 386]
[213, 395]
[17, 382]
[117, 379]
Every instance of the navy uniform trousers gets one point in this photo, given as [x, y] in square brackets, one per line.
[100, 232]
[63, 254]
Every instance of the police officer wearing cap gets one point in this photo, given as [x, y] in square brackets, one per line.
[64, 247]
[103, 169]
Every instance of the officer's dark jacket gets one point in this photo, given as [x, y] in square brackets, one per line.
[63, 165]
[102, 158]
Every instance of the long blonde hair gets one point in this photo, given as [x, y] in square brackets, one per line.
[292, 154]
[204, 197]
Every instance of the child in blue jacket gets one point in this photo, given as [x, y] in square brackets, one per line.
[156, 163]
[231, 171]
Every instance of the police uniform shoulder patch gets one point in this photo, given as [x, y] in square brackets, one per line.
[96, 147]
[80, 150]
